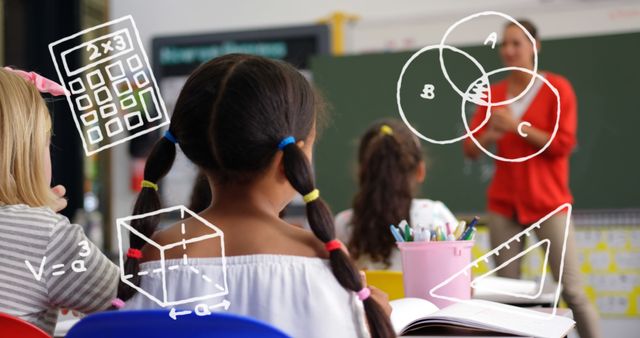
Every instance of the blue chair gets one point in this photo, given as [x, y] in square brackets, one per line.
[158, 324]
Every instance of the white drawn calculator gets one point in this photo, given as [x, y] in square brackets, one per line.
[115, 97]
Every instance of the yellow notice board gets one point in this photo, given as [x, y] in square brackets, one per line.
[609, 258]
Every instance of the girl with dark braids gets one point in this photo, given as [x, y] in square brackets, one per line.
[249, 124]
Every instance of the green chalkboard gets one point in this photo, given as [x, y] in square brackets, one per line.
[605, 73]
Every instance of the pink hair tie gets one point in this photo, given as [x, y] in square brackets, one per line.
[117, 303]
[43, 84]
[364, 293]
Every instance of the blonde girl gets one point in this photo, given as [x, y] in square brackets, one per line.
[36, 243]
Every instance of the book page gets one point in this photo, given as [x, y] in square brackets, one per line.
[505, 318]
[408, 310]
[487, 286]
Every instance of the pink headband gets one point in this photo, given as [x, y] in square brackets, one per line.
[43, 84]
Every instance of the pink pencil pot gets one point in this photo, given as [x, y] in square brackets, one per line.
[428, 264]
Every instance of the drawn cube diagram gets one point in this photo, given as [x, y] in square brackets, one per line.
[214, 237]
[117, 81]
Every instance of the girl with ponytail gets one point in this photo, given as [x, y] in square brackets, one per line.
[249, 124]
[391, 167]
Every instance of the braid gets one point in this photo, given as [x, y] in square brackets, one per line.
[158, 165]
[298, 172]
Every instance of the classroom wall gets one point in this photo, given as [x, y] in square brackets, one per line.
[554, 19]
[383, 25]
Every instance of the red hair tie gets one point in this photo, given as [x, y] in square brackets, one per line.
[134, 253]
[333, 244]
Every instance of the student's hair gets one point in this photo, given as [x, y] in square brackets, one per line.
[528, 25]
[25, 128]
[200, 193]
[230, 117]
[388, 158]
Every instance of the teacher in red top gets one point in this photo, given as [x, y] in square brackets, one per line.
[521, 193]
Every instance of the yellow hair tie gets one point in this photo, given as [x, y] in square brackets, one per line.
[386, 130]
[312, 196]
[149, 184]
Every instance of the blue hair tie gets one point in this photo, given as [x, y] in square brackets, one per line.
[286, 141]
[170, 137]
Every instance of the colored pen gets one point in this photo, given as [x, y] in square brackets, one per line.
[437, 232]
[471, 235]
[400, 231]
[427, 235]
[422, 234]
[468, 230]
[395, 233]
[448, 229]
[459, 229]
[407, 233]
[433, 236]
[418, 234]
[451, 237]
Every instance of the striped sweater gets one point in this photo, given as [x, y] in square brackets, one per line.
[47, 263]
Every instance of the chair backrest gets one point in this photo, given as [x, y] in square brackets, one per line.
[387, 281]
[16, 327]
[158, 324]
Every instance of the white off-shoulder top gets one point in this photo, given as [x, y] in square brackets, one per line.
[298, 295]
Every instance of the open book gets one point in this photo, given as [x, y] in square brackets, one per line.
[492, 285]
[415, 315]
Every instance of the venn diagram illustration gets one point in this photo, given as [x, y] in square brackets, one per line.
[436, 73]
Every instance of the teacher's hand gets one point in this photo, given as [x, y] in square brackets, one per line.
[502, 120]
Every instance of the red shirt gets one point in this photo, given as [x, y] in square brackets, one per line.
[529, 190]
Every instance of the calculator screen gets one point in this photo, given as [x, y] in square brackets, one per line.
[98, 50]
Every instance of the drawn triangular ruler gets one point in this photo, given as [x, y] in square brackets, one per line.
[438, 291]
[543, 243]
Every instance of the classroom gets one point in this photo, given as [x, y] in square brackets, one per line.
[423, 168]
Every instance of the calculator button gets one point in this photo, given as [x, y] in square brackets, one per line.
[113, 127]
[115, 71]
[133, 120]
[108, 110]
[128, 102]
[102, 95]
[95, 135]
[122, 87]
[134, 63]
[141, 79]
[149, 104]
[95, 79]
[83, 102]
[76, 86]
[89, 118]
